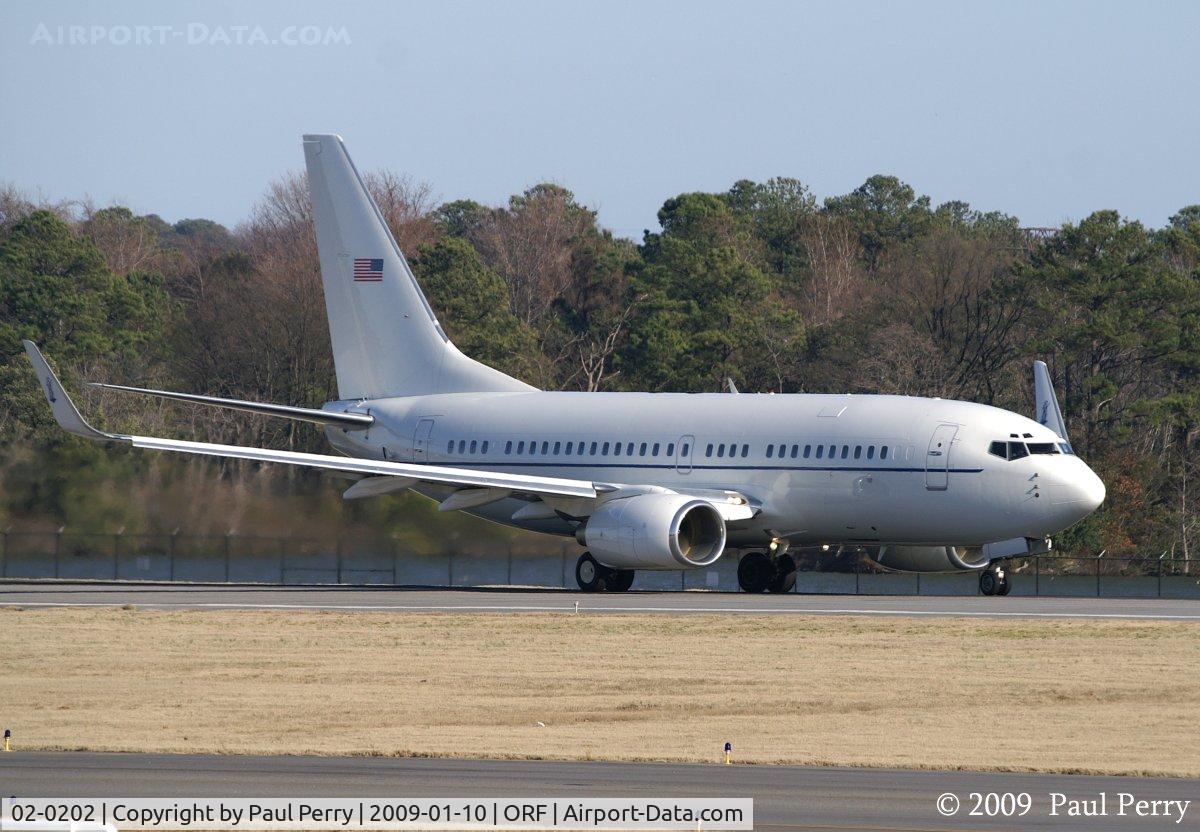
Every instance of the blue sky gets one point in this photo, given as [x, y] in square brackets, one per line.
[1046, 110]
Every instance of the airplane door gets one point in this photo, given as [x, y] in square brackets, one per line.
[421, 440]
[683, 454]
[937, 458]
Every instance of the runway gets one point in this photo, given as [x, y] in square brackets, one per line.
[416, 599]
[785, 797]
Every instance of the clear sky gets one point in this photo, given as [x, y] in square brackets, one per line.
[1046, 110]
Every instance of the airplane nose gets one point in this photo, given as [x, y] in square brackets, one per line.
[1092, 490]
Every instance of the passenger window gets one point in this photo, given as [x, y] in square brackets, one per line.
[832, 451]
[642, 450]
[807, 451]
[857, 451]
[721, 449]
[845, 451]
[708, 451]
[579, 450]
[557, 448]
[450, 447]
[795, 451]
[870, 452]
[999, 449]
[883, 451]
[629, 449]
[483, 448]
[616, 449]
[520, 447]
[473, 446]
[1016, 450]
[570, 448]
[820, 451]
[545, 448]
[654, 450]
[745, 451]
[508, 447]
[604, 449]
[770, 448]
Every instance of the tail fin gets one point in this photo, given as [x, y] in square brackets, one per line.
[386, 339]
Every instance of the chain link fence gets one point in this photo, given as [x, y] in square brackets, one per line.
[297, 561]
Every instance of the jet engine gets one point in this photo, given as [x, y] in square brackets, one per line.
[655, 531]
[930, 558]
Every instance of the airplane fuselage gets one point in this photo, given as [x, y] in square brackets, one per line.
[822, 468]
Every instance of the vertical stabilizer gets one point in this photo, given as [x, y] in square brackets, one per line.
[1048, 413]
[386, 339]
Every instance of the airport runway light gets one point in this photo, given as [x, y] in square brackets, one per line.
[8, 739]
[728, 753]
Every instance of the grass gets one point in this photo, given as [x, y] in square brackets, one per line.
[1044, 695]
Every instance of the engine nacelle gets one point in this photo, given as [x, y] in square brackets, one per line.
[930, 558]
[655, 531]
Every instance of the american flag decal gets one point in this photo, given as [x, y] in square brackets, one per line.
[368, 270]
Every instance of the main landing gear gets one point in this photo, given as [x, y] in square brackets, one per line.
[593, 576]
[758, 572]
[994, 581]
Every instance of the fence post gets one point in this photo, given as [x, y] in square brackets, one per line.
[57, 548]
[4, 554]
[1098, 574]
[337, 548]
[282, 556]
[117, 552]
[918, 583]
[1037, 574]
[857, 568]
[508, 579]
[450, 568]
[1160, 561]
[562, 556]
[227, 545]
[171, 556]
[395, 562]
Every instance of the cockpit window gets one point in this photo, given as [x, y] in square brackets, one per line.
[1043, 448]
[999, 449]
[1066, 448]
[1016, 450]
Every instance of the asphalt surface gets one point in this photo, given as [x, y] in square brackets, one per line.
[785, 797]
[400, 599]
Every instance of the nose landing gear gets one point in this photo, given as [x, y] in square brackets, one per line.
[994, 581]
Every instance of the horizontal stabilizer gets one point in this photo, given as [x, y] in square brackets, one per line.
[360, 421]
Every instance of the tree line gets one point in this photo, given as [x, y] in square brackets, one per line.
[874, 291]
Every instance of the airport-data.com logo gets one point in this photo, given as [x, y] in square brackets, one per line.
[192, 34]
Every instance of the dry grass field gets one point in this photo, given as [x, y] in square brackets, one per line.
[1102, 696]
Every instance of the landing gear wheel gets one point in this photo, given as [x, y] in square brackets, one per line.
[755, 571]
[784, 577]
[620, 580]
[590, 574]
[993, 581]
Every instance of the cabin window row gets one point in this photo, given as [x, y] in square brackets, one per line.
[784, 451]
[546, 447]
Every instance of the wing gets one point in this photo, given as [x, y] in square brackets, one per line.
[474, 487]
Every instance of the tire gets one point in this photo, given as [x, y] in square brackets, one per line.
[754, 572]
[1005, 586]
[590, 574]
[784, 578]
[621, 580]
[987, 582]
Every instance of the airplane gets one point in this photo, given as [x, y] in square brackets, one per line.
[647, 481]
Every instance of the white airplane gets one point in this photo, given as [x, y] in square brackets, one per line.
[648, 481]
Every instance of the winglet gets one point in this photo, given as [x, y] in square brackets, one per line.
[65, 412]
[1048, 413]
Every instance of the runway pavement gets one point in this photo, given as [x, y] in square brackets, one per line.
[785, 797]
[400, 599]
